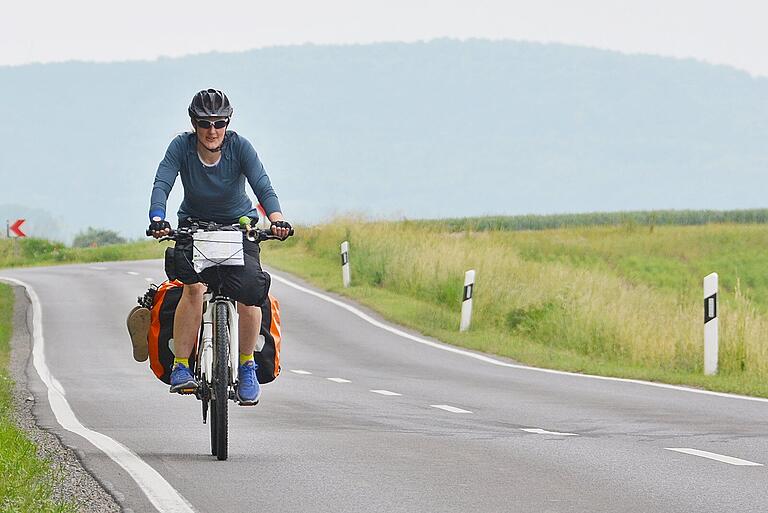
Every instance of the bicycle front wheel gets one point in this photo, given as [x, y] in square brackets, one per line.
[220, 392]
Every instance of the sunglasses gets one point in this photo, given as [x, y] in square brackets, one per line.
[205, 124]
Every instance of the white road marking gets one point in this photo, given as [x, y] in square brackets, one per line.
[385, 392]
[299, 371]
[539, 431]
[339, 380]
[132, 273]
[148, 280]
[487, 359]
[717, 457]
[451, 409]
[97, 268]
[159, 492]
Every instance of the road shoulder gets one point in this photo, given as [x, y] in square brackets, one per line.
[75, 483]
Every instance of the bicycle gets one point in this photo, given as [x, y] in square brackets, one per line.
[218, 344]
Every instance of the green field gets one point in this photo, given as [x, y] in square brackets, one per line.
[622, 300]
[26, 480]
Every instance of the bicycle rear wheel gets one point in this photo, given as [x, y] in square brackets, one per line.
[220, 392]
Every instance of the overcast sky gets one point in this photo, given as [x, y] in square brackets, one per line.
[722, 32]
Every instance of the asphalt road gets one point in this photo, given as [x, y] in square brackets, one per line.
[461, 434]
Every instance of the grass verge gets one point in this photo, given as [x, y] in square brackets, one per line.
[26, 484]
[28, 252]
[614, 301]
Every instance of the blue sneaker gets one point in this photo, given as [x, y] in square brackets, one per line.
[182, 379]
[248, 389]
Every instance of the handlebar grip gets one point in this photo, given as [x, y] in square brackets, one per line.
[264, 235]
[150, 233]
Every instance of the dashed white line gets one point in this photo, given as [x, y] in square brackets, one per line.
[132, 273]
[299, 371]
[384, 392]
[96, 268]
[148, 280]
[714, 456]
[339, 380]
[539, 431]
[451, 409]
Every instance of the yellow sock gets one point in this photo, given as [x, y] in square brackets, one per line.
[183, 361]
[245, 358]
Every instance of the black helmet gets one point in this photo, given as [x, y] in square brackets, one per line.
[210, 103]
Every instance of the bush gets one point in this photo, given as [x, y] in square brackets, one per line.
[39, 249]
[94, 237]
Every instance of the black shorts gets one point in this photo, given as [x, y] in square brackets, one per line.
[248, 284]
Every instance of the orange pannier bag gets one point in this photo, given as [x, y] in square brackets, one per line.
[267, 355]
[164, 300]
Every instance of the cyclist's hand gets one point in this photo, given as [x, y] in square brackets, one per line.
[281, 228]
[159, 227]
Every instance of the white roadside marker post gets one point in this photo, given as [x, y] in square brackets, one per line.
[466, 302]
[345, 263]
[710, 325]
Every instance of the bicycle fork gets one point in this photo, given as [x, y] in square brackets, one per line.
[234, 342]
[206, 339]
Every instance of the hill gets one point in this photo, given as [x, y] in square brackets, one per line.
[438, 129]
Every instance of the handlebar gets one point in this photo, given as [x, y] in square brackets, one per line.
[253, 234]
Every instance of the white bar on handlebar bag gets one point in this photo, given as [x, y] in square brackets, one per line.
[217, 248]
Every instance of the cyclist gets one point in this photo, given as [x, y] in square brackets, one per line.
[214, 164]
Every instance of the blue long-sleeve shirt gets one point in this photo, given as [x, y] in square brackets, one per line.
[214, 193]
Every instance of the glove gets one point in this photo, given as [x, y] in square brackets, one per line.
[158, 225]
[281, 225]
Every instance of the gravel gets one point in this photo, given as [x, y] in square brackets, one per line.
[74, 483]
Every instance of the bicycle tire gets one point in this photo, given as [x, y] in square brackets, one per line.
[221, 379]
[212, 422]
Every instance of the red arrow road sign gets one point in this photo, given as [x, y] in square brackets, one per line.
[16, 228]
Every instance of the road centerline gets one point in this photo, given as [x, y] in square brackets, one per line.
[714, 456]
[385, 392]
[449, 408]
[539, 431]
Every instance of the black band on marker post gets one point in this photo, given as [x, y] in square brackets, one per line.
[467, 292]
[710, 313]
